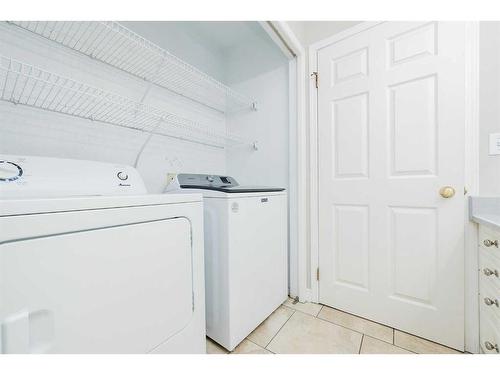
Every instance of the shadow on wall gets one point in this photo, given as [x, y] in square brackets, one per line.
[28, 131]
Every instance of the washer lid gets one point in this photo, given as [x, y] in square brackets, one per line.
[237, 189]
[226, 184]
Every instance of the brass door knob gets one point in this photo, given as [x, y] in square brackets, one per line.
[447, 192]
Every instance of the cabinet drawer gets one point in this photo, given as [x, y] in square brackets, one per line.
[490, 240]
[489, 268]
[489, 298]
[489, 333]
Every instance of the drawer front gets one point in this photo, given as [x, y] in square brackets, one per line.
[489, 268]
[490, 240]
[489, 298]
[489, 334]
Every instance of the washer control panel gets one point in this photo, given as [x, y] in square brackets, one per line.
[43, 177]
[197, 180]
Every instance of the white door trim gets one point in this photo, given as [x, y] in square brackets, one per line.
[472, 184]
[471, 170]
[313, 173]
[298, 144]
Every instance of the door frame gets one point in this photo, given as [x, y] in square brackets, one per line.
[471, 169]
[281, 33]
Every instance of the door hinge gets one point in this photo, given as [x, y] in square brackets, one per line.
[315, 75]
[317, 274]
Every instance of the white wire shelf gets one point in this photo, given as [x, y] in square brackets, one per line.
[116, 45]
[24, 84]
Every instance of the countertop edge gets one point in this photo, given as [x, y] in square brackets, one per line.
[491, 221]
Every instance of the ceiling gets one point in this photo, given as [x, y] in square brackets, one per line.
[218, 36]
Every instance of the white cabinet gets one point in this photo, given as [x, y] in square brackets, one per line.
[489, 289]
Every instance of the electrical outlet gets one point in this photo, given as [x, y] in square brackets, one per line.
[170, 177]
[495, 144]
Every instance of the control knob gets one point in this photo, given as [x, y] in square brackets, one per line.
[9, 171]
[122, 176]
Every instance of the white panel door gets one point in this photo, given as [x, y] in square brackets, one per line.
[391, 124]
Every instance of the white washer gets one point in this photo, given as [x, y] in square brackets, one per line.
[83, 273]
[245, 253]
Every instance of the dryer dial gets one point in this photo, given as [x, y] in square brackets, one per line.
[9, 171]
[122, 176]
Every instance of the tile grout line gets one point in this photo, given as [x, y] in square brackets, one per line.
[321, 309]
[353, 330]
[279, 330]
[340, 325]
[247, 338]
[394, 338]
[265, 347]
[359, 317]
[366, 334]
[397, 346]
[253, 342]
[335, 324]
[216, 344]
[408, 350]
[363, 334]
[361, 344]
[401, 347]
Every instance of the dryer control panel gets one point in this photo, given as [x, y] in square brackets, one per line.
[43, 177]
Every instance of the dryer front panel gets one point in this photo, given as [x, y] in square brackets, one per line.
[121, 289]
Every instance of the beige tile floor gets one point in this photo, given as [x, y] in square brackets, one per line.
[307, 328]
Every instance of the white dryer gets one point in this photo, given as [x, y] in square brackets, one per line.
[245, 253]
[99, 266]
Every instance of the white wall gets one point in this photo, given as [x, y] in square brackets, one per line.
[261, 72]
[489, 106]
